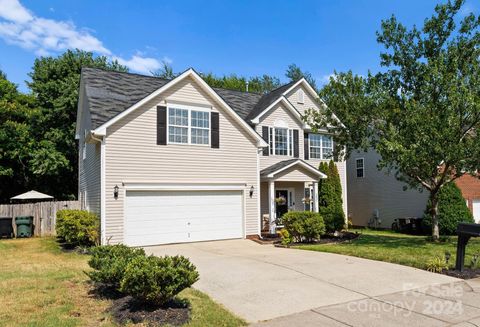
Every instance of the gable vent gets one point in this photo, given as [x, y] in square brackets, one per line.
[301, 96]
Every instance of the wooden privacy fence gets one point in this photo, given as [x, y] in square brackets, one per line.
[44, 214]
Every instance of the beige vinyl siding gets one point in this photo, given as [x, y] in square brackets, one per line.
[133, 155]
[88, 168]
[295, 175]
[309, 101]
[379, 190]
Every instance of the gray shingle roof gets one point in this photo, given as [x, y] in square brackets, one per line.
[110, 93]
[280, 165]
[267, 100]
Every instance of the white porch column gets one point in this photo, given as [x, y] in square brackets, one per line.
[315, 197]
[271, 205]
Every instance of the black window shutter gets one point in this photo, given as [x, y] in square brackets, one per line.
[296, 152]
[305, 146]
[265, 133]
[161, 125]
[215, 130]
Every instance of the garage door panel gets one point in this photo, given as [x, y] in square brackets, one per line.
[160, 217]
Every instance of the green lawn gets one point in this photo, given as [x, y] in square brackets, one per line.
[398, 248]
[40, 285]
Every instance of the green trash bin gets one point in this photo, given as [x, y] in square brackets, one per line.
[24, 226]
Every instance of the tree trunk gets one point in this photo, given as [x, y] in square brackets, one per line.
[434, 214]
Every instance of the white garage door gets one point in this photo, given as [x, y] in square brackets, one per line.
[476, 210]
[160, 217]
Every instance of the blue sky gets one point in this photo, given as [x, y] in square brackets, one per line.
[243, 37]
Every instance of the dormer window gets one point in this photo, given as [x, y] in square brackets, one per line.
[301, 96]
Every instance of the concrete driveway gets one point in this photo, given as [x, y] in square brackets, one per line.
[261, 282]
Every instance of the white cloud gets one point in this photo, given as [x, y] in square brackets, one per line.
[18, 26]
[140, 64]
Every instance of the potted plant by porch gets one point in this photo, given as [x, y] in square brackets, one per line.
[281, 200]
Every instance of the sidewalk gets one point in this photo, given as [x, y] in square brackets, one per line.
[453, 304]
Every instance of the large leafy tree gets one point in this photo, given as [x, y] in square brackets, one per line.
[258, 84]
[19, 151]
[294, 73]
[55, 83]
[422, 113]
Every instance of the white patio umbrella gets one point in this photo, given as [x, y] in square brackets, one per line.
[31, 195]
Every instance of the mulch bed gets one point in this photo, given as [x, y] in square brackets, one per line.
[125, 309]
[467, 273]
[336, 238]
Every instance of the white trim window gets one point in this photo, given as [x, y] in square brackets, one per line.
[320, 146]
[200, 127]
[281, 141]
[188, 125]
[360, 167]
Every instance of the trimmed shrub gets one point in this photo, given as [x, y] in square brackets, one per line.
[304, 226]
[452, 210]
[330, 198]
[110, 262]
[78, 227]
[155, 280]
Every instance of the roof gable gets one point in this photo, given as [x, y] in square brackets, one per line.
[109, 94]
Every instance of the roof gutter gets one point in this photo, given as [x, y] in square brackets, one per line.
[92, 136]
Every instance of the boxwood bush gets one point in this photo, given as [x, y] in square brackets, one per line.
[157, 280]
[304, 226]
[109, 263]
[78, 227]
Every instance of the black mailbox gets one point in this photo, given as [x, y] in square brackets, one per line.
[464, 232]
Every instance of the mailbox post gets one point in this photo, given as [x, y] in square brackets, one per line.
[464, 232]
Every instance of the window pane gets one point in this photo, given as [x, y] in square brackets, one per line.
[178, 117]
[290, 142]
[327, 146]
[200, 136]
[177, 134]
[359, 172]
[281, 146]
[359, 163]
[200, 119]
[315, 146]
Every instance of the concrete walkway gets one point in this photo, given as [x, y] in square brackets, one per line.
[453, 304]
[261, 282]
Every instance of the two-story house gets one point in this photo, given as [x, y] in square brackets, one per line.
[376, 198]
[170, 161]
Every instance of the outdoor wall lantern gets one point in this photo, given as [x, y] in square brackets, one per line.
[115, 192]
[251, 191]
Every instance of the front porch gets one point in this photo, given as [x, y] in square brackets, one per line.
[290, 185]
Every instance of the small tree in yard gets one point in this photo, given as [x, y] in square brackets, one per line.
[422, 113]
[330, 197]
[452, 210]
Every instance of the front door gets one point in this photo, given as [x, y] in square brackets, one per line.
[281, 202]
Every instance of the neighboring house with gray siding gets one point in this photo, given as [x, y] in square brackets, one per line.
[169, 161]
[373, 193]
